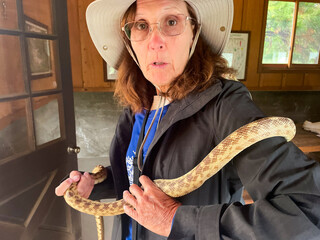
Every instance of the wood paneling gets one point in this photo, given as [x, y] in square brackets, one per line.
[39, 11]
[293, 80]
[271, 80]
[87, 65]
[312, 81]
[238, 13]
[11, 66]
[9, 17]
[252, 12]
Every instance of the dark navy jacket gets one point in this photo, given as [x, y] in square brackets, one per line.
[283, 182]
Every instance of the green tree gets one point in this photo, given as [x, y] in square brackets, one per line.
[307, 42]
[279, 32]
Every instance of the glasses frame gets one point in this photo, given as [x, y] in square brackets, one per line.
[187, 18]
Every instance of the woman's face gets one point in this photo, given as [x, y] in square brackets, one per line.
[162, 58]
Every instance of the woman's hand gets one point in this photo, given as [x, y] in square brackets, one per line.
[84, 186]
[152, 208]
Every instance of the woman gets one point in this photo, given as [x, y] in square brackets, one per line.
[179, 107]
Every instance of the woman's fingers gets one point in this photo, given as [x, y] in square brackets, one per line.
[84, 186]
[132, 197]
[75, 175]
[131, 203]
[146, 183]
[151, 207]
[136, 191]
[60, 190]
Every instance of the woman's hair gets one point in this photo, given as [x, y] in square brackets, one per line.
[202, 70]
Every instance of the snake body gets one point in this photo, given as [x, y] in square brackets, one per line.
[225, 151]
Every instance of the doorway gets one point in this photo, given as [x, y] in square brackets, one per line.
[37, 123]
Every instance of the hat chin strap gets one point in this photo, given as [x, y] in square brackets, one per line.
[130, 50]
[194, 44]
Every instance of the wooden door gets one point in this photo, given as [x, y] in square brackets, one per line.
[36, 120]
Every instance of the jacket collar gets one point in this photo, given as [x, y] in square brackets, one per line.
[193, 102]
[185, 108]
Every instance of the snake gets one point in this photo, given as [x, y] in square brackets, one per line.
[215, 160]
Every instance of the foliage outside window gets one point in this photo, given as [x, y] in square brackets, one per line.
[292, 35]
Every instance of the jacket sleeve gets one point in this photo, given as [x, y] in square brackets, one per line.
[283, 182]
[104, 189]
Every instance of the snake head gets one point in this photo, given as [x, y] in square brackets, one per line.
[98, 168]
[99, 174]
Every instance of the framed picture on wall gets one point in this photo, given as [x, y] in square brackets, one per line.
[110, 74]
[39, 54]
[236, 53]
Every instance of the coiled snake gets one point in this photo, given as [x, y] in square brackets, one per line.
[226, 150]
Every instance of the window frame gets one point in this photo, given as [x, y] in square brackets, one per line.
[289, 67]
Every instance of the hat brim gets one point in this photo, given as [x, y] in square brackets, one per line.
[104, 19]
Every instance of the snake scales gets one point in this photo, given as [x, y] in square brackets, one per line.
[236, 142]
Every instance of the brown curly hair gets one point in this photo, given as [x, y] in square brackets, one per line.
[202, 70]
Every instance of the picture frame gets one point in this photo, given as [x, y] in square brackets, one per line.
[236, 52]
[110, 74]
[38, 50]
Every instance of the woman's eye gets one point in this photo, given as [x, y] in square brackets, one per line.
[172, 22]
[141, 26]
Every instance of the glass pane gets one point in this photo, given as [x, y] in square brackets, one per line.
[307, 41]
[13, 128]
[8, 14]
[39, 15]
[11, 74]
[46, 118]
[41, 56]
[278, 32]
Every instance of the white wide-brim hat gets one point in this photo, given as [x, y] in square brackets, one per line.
[104, 19]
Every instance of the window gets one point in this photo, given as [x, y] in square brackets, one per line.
[291, 39]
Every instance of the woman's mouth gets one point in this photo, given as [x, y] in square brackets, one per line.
[159, 64]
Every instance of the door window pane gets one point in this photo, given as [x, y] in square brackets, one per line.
[38, 12]
[41, 56]
[11, 73]
[47, 118]
[14, 132]
[307, 41]
[278, 32]
[8, 14]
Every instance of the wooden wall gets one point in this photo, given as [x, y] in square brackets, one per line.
[87, 65]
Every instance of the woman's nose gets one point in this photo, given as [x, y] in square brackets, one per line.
[156, 40]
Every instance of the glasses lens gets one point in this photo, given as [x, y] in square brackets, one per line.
[137, 31]
[172, 25]
[127, 30]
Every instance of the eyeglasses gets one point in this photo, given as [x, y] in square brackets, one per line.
[169, 25]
